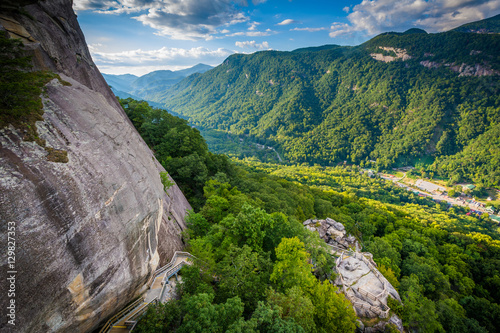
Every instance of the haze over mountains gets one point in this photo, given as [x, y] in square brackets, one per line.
[149, 85]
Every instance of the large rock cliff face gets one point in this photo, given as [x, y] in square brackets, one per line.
[89, 232]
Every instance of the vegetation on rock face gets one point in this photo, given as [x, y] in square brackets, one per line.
[254, 257]
[165, 180]
[57, 155]
[333, 104]
[20, 103]
[20, 90]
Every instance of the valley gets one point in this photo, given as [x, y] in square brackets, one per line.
[388, 124]
[338, 103]
[325, 189]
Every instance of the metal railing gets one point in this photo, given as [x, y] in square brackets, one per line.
[171, 271]
[132, 321]
[116, 318]
[130, 308]
[383, 313]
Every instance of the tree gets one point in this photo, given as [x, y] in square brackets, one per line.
[428, 273]
[215, 208]
[161, 317]
[194, 281]
[292, 267]
[419, 313]
[248, 227]
[203, 316]
[295, 304]
[324, 262]
[332, 312]
[243, 273]
[482, 310]
[165, 180]
[268, 319]
[197, 224]
[453, 318]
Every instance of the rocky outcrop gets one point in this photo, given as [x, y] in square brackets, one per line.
[398, 54]
[364, 285]
[472, 70]
[357, 274]
[395, 321]
[89, 232]
[333, 233]
[463, 69]
[430, 64]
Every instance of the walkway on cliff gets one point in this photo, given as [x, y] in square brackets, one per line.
[159, 291]
[362, 283]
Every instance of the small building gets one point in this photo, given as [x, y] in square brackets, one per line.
[469, 187]
[369, 172]
[495, 218]
[490, 209]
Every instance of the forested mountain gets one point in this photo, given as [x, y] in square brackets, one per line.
[149, 85]
[489, 25]
[394, 99]
[120, 82]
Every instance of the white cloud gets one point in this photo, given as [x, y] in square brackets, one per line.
[252, 44]
[258, 33]
[79, 5]
[268, 32]
[192, 19]
[287, 21]
[253, 26]
[163, 58]
[339, 29]
[308, 29]
[371, 17]
[186, 19]
[94, 47]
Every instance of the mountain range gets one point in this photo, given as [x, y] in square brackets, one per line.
[397, 99]
[149, 85]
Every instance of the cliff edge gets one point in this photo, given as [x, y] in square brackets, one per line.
[90, 229]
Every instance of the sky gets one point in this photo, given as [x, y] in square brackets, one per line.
[141, 36]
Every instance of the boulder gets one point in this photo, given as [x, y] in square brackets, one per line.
[358, 275]
[307, 222]
[334, 233]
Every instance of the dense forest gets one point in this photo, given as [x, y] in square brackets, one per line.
[252, 271]
[438, 97]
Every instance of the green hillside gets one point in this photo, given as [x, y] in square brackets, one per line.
[489, 25]
[253, 271]
[330, 104]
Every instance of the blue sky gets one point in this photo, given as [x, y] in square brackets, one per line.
[140, 36]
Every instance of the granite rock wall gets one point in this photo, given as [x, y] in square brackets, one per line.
[89, 232]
